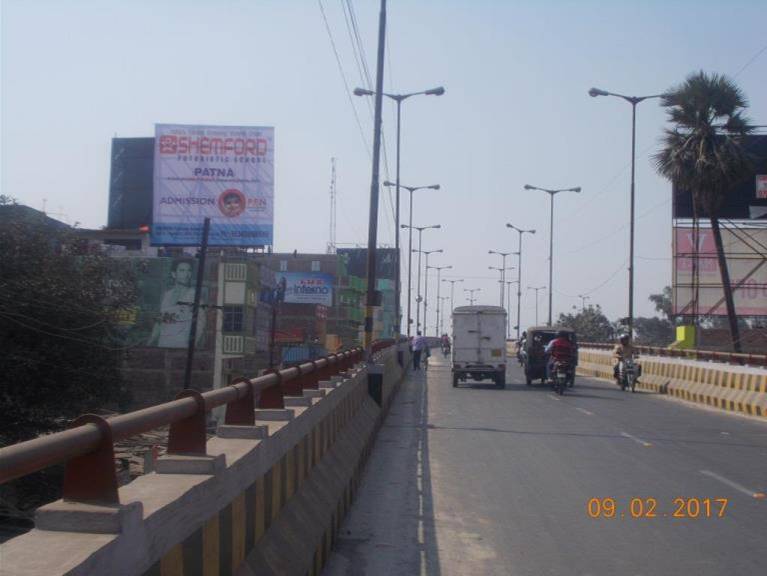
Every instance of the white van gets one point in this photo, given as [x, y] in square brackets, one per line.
[479, 344]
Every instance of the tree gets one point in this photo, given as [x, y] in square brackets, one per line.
[590, 324]
[58, 309]
[703, 152]
[662, 302]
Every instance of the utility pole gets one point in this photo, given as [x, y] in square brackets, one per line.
[371, 300]
[196, 305]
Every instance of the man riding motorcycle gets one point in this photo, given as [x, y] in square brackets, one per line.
[559, 350]
[623, 351]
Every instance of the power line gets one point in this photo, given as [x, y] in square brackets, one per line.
[751, 60]
[343, 77]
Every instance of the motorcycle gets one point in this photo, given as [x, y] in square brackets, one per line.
[628, 375]
[560, 377]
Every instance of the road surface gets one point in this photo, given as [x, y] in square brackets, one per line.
[479, 481]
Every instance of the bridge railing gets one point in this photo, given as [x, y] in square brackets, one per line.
[87, 447]
[705, 355]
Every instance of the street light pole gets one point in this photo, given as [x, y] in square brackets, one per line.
[410, 250]
[439, 270]
[441, 313]
[452, 300]
[502, 281]
[583, 298]
[519, 273]
[536, 288]
[508, 307]
[503, 269]
[471, 294]
[633, 100]
[551, 194]
[426, 288]
[398, 98]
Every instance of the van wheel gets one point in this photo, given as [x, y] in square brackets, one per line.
[455, 380]
[500, 381]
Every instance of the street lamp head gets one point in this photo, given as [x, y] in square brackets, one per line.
[576, 189]
[404, 226]
[594, 92]
[363, 92]
[387, 183]
[439, 91]
[436, 226]
[528, 187]
[433, 187]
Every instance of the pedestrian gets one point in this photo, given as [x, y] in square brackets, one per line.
[418, 346]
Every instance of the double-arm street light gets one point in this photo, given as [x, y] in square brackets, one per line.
[508, 307]
[502, 269]
[452, 289]
[502, 281]
[583, 298]
[399, 98]
[410, 226]
[439, 270]
[537, 288]
[420, 230]
[470, 297]
[425, 290]
[551, 194]
[633, 100]
[520, 231]
[441, 312]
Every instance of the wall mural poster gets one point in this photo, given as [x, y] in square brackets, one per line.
[162, 314]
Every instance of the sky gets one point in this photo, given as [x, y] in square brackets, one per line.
[516, 111]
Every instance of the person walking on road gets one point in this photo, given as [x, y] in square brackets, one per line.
[419, 344]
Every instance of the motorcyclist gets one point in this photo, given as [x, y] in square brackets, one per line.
[623, 351]
[445, 344]
[560, 349]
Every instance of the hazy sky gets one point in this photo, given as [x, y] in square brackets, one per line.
[516, 111]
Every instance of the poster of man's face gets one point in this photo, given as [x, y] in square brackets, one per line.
[231, 203]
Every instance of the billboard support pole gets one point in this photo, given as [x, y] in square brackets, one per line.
[196, 305]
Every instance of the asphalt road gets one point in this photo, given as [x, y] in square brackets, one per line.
[481, 481]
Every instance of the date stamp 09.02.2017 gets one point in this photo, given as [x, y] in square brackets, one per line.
[649, 508]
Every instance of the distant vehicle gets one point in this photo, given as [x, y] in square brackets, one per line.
[534, 359]
[479, 344]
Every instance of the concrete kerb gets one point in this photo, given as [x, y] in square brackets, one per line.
[174, 505]
[734, 388]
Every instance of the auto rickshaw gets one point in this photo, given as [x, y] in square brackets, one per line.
[533, 356]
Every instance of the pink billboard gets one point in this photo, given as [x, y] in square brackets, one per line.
[746, 253]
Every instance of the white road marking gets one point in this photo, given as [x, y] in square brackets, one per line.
[554, 397]
[635, 439]
[731, 484]
[586, 412]
[725, 433]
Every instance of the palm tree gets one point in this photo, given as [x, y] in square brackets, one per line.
[703, 152]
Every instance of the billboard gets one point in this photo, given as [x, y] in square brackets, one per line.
[357, 264]
[747, 199]
[130, 183]
[162, 313]
[305, 288]
[746, 253]
[220, 172]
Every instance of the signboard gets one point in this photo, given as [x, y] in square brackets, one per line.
[746, 253]
[162, 314]
[357, 265]
[747, 199]
[761, 185]
[130, 183]
[305, 288]
[220, 172]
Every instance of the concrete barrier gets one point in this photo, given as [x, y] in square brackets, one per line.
[271, 505]
[728, 387]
